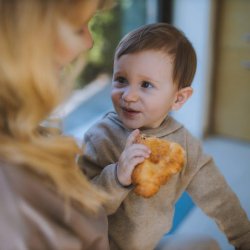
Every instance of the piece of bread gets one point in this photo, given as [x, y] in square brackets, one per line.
[166, 159]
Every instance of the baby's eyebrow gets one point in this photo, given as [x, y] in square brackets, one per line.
[148, 79]
[118, 73]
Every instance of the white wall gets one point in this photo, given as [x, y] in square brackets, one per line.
[195, 19]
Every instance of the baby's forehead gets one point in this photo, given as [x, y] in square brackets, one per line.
[145, 63]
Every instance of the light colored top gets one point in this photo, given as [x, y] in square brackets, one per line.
[138, 223]
[33, 216]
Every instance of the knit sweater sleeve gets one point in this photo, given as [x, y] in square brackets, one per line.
[212, 194]
[99, 164]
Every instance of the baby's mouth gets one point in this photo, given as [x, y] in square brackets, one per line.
[130, 111]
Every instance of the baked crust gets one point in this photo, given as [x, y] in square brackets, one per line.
[166, 159]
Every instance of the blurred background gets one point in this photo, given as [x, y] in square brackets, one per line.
[218, 112]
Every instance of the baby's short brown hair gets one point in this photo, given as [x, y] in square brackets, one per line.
[163, 37]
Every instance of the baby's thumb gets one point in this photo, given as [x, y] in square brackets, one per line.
[132, 137]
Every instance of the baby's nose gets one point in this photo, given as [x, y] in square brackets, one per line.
[130, 95]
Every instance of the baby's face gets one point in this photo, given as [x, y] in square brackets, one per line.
[143, 91]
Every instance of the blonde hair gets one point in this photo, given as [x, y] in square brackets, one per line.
[30, 91]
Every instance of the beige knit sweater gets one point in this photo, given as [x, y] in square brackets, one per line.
[136, 223]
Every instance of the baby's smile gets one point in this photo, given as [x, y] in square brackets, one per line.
[129, 111]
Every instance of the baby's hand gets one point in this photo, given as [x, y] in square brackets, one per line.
[132, 155]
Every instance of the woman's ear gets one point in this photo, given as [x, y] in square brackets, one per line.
[181, 97]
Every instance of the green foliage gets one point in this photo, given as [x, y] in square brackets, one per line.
[106, 31]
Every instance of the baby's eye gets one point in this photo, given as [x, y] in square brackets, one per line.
[120, 79]
[146, 84]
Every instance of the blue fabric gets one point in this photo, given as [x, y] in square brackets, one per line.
[182, 208]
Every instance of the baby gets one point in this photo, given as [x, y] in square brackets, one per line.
[154, 67]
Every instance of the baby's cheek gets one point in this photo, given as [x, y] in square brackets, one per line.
[115, 95]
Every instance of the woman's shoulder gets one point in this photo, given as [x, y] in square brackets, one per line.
[11, 227]
[32, 204]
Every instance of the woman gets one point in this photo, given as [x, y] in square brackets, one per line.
[46, 203]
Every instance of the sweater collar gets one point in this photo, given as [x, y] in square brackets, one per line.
[168, 126]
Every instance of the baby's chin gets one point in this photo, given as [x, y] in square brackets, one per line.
[131, 126]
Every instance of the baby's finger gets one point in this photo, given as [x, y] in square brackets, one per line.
[138, 150]
[136, 160]
[132, 137]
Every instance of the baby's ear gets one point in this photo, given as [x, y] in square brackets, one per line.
[181, 97]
